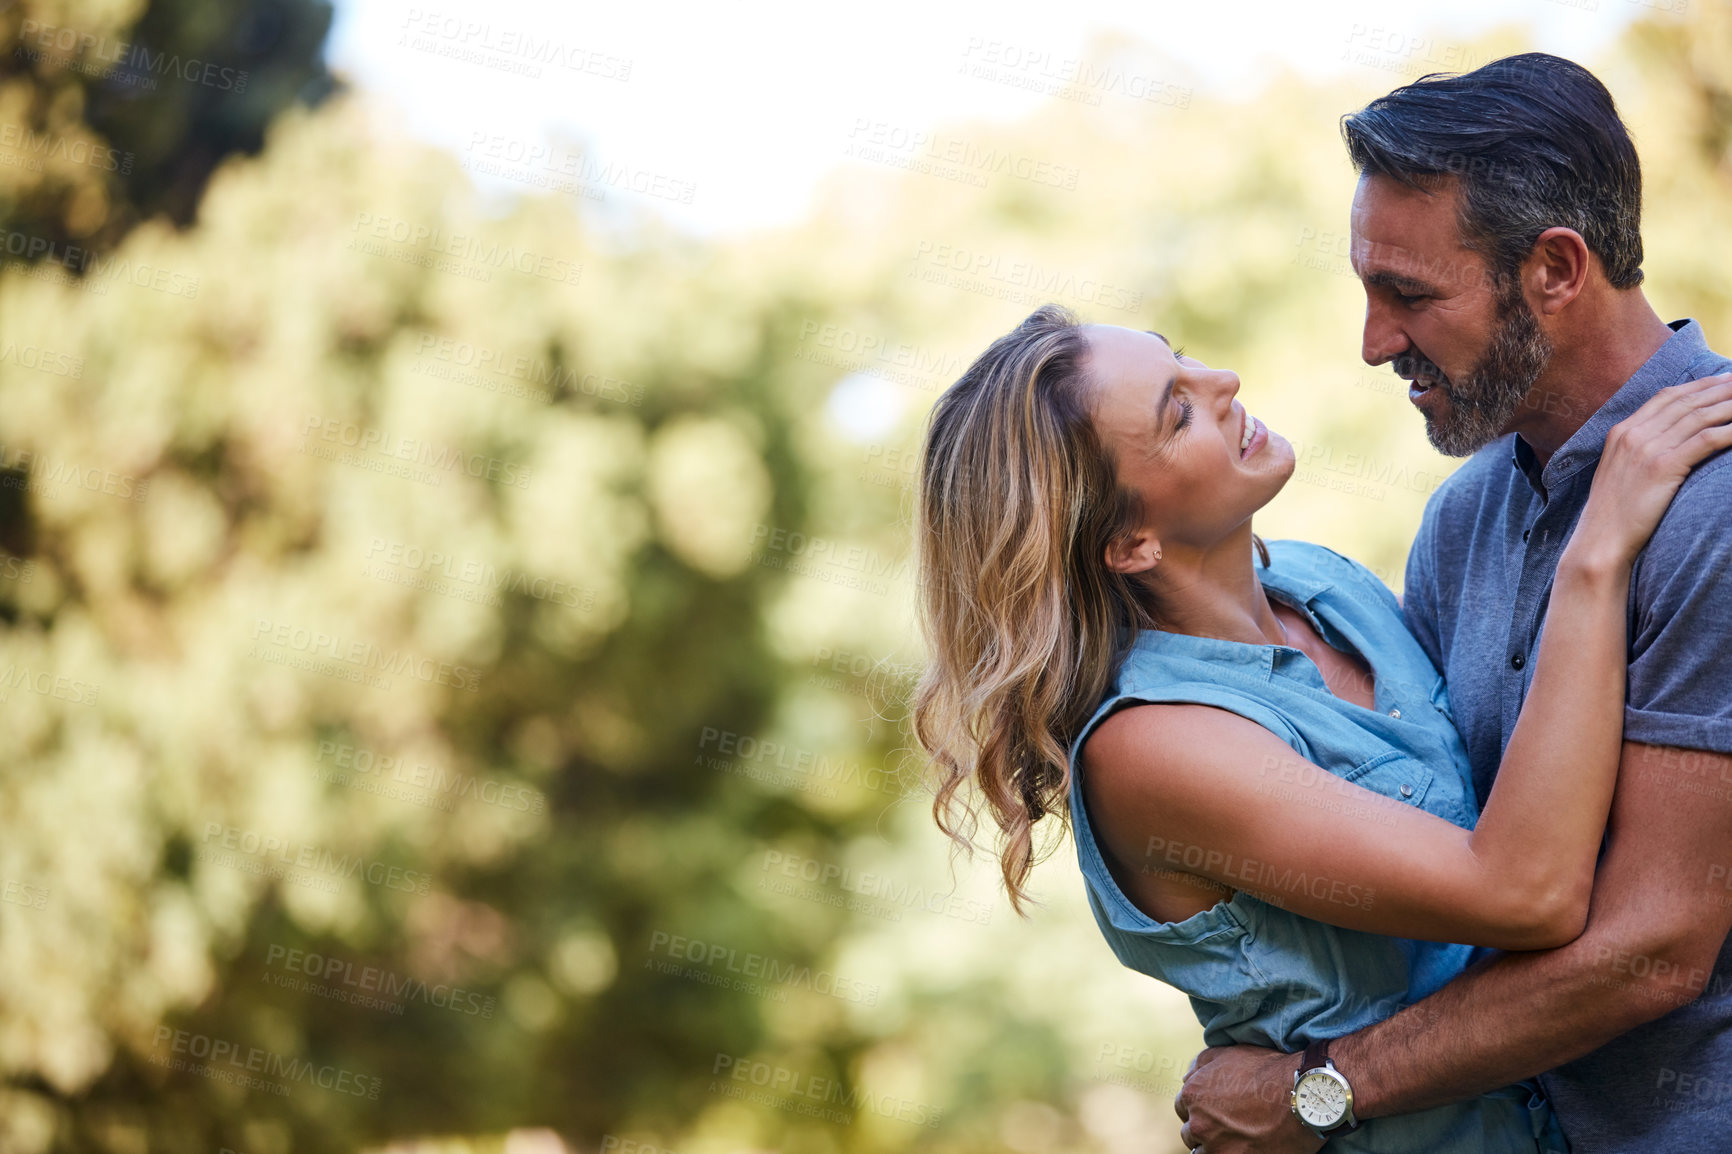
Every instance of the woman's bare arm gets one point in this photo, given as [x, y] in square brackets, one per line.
[1247, 812]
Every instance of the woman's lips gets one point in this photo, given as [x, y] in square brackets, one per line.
[1259, 438]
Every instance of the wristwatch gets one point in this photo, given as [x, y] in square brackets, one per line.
[1322, 1097]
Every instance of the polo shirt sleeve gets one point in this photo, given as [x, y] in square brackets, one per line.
[1680, 683]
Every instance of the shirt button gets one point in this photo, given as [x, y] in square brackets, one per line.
[1407, 791]
[1395, 712]
[1517, 661]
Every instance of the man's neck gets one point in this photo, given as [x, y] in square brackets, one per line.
[1596, 352]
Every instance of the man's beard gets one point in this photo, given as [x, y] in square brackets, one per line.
[1481, 405]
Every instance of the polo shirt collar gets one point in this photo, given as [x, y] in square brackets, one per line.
[1667, 366]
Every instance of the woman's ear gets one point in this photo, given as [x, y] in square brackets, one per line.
[1134, 552]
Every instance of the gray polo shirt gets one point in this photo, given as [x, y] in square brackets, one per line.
[1478, 581]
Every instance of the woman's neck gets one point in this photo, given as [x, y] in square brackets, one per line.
[1213, 592]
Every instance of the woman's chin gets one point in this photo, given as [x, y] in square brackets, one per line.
[1276, 455]
[1280, 462]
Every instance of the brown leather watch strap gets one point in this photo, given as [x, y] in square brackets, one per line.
[1317, 1054]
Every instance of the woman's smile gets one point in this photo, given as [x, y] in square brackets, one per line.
[1252, 434]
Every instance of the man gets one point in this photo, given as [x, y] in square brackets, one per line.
[1496, 231]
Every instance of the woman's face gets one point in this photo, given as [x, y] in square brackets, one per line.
[1200, 463]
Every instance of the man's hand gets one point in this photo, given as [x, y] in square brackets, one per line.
[1235, 1100]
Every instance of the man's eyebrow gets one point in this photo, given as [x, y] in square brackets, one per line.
[1385, 278]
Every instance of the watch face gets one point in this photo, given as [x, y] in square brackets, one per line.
[1321, 1100]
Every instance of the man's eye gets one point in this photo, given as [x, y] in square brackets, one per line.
[1409, 298]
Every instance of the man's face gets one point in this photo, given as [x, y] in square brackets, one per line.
[1432, 309]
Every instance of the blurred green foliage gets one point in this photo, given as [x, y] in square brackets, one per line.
[454, 664]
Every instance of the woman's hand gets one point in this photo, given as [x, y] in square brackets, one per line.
[1647, 456]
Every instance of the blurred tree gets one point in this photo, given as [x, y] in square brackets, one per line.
[417, 619]
[111, 114]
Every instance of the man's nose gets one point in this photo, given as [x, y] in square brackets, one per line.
[1383, 338]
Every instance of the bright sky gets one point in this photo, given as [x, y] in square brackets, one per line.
[723, 115]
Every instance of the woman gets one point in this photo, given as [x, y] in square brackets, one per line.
[1271, 804]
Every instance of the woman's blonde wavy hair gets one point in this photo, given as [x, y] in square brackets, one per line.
[1025, 625]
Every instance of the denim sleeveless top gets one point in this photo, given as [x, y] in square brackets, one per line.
[1256, 973]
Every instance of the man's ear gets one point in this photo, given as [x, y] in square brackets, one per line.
[1133, 552]
[1557, 268]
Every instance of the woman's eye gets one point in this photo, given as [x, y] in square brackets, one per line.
[1184, 414]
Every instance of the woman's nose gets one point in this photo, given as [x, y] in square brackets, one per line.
[1227, 382]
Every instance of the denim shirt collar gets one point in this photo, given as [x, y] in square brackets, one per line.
[1585, 445]
[1296, 587]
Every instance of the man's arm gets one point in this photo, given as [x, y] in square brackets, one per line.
[1659, 917]
[1660, 913]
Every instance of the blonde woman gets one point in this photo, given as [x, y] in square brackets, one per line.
[1271, 804]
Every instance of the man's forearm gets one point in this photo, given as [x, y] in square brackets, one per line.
[1510, 1017]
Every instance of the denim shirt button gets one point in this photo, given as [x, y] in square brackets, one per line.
[1407, 791]
[1395, 713]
